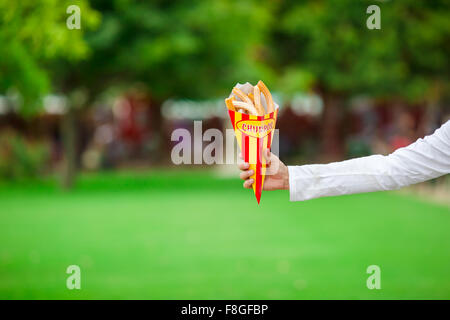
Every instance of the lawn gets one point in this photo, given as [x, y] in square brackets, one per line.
[192, 235]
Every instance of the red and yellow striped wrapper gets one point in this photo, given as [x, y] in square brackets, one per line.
[254, 134]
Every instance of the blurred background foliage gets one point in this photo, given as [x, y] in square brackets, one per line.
[20, 158]
[199, 49]
[169, 45]
[107, 97]
[407, 58]
[32, 34]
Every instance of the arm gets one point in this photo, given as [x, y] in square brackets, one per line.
[425, 159]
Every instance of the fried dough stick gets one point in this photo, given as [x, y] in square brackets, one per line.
[257, 101]
[246, 106]
[267, 95]
[229, 103]
[241, 95]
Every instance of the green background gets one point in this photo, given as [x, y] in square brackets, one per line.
[192, 235]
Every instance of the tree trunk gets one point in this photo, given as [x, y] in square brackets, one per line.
[69, 137]
[332, 147]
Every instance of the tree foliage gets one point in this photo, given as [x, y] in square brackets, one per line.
[329, 41]
[200, 48]
[32, 33]
[189, 49]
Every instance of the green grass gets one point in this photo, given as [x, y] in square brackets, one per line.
[178, 235]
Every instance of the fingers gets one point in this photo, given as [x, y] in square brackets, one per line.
[244, 166]
[248, 183]
[268, 156]
[246, 174]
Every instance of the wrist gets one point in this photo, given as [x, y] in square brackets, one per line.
[286, 179]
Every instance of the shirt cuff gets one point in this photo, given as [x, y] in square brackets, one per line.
[292, 185]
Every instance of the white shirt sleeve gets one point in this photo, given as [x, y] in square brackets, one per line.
[422, 160]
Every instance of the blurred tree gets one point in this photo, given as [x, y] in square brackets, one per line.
[190, 49]
[196, 49]
[33, 32]
[33, 35]
[326, 44]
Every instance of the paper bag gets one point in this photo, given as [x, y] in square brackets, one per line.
[254, 134]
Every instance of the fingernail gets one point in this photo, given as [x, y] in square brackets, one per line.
[250, 172]
[246, 165]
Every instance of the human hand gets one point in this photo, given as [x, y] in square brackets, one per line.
[277, 174]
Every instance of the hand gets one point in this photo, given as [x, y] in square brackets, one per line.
[277, 174]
